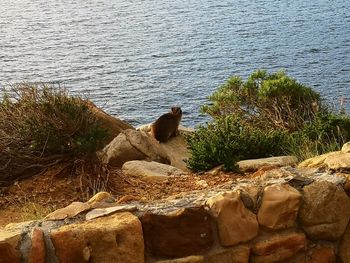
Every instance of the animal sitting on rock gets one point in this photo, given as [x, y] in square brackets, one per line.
[166, 126]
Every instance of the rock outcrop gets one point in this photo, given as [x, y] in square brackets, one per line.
[150, 171]
[132, 145]
[337, 161]
[256, 164]
[277, 215]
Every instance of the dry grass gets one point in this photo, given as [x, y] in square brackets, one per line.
[40, 126]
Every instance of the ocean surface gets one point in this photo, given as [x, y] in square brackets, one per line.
[136, 59]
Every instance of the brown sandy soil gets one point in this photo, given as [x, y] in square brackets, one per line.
[35, 197]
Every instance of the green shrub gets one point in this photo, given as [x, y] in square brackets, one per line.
[227, 140]
[269, 114]
[265, 101]
[41, 125]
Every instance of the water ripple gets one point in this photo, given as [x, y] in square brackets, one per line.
[137, 58]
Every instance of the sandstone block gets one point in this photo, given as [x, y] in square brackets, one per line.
[256, 164]
[132, 145]
[279, 207]
[278, 247]
[71, 210]
[115, 238]
[325, 211]
[9, 242]
[346, 148]
[238, 254]
[177, 150]
[321, 255]
[340, 161]
[317, 161]
[37, 251]
[182, 233]
[344, 247]
[235, 222]
[150, 171]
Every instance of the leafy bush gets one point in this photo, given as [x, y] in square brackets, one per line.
[227, 140]
[265, 101]
[269, 114]
[41, 125]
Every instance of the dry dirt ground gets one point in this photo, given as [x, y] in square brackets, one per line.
[35, 197]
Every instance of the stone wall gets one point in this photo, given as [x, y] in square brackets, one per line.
[284, 215]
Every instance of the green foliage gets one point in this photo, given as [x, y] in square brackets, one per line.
[40, 125]
[227, 140]
[265, 101]
[269, 114]
[47, 121]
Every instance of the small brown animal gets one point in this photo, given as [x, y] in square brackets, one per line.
[166, 126]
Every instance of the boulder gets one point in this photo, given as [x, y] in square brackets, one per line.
[132, 145]
[176, 148]
[333, 160]
[344, 247]
[256, 164]
[9, 246]
[279, 207]
[150, 171]
[235, 222]
[113, 125]
[346, 148]
[115, 238]
[183, 233]
[317, 161]
[278, 247]
[338, 162]
[238, 254]
[325, 211]
[321, 255]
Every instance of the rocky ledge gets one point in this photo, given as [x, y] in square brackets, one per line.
[281, 214]
[284, 214]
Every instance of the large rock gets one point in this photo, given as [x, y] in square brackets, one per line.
[183, 233]
[235, 222]
[238, 254]
[320, 255]
[176, 148]
[344, 247]
[278, 247]
[340, 161]
[9, 245]
[116, 238]
[279, 207]
[150, 171]
[133, 145]
[325, 211]
[256, 164]
[346, 148]
[317, 161]
[113, 125]
[333, 160]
